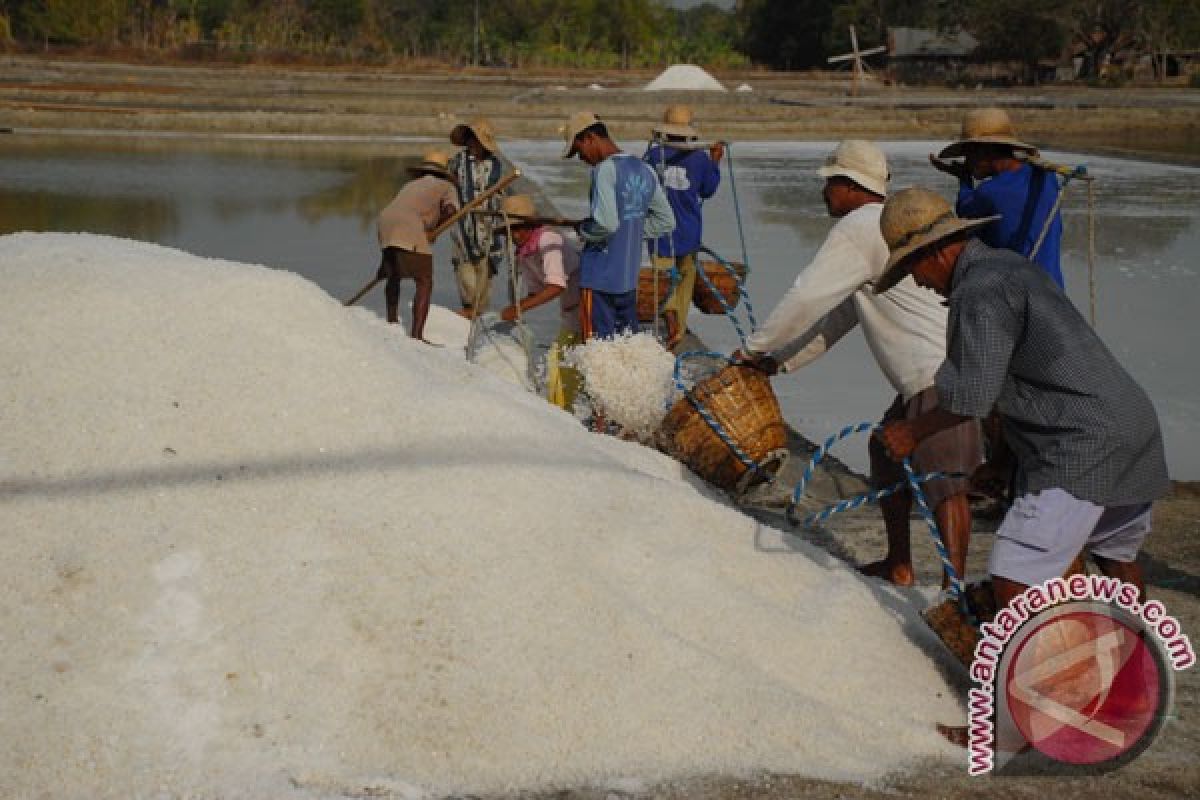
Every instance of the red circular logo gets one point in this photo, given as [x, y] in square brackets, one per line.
[1085, 686]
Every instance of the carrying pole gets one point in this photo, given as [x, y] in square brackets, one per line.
[479, 200]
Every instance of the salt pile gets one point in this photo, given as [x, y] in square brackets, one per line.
[629, 379]
[684, 77]
[259, 545]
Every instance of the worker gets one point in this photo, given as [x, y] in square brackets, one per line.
[626, 206]
[549, 265]
[906, 332]
[403, 227]
[689, 175]
[996, 178]
[477, 251]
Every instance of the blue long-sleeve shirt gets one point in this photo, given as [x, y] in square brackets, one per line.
[627, 206]
[689, 177]
[1007, 194]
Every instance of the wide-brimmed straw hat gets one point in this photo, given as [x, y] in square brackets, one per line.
[913, 219]
[577, 123]
[480, 128]
[519, 208]
[434, 162]
[986, 126]
[677, 121]
[860, 161]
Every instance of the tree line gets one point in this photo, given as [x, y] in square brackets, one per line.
[782, 34]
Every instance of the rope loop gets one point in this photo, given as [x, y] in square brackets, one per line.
[912, 483]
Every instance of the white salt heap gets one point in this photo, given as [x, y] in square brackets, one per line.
[259, 545]
[629, 378]
[686, 77]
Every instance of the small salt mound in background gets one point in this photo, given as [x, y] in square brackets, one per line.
[629, 379]
[258, 546]
[686, 77]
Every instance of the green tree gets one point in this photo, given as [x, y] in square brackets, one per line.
[786, 34]
[1004, 30]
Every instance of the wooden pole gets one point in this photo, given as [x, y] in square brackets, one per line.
[479, 200]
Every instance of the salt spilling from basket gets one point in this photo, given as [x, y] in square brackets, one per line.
[628, 378]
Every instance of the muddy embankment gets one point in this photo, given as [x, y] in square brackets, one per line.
[61, 94]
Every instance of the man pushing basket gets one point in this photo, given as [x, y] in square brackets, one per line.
[906, 331]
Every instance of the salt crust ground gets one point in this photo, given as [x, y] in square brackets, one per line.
[258, 545]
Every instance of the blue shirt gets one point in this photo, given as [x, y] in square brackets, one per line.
[627, 205]
[1007, 194]
[689, 177]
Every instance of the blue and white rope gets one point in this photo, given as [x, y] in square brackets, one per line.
[912, 482]
[741, 288]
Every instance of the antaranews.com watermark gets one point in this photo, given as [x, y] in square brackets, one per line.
[1077, 669]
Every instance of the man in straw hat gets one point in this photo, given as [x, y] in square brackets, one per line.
[477, 167]
[549, 264]
[403, 227]
[626, 206]
[906, 331]
[996, 179]
[1086, 438]
[689, 175]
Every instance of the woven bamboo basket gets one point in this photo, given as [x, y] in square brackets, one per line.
[646, 305]
[742, 402]
[723, 281]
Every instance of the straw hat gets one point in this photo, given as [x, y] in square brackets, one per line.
[577, 123]
[913, 219]
[520, 208]
[481, 129]
[986, 126]
[434, 162]
[861, 162]
[677, 121]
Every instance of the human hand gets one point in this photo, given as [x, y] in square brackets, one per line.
[956, 169]
[898, 439]
[717, 152]
[990, 478]
[760, 361]
[509, 313]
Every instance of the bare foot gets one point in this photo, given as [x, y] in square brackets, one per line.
[955, 734]
[898, 574]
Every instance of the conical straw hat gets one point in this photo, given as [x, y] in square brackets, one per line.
[677, 121]
[913, 219]
[481, 128]
[986, 126]
[434, 162]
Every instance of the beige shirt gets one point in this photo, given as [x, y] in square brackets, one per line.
[905, 327]
[420, 206]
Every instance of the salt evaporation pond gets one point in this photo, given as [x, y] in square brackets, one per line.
[260, 545]
[1147, 271]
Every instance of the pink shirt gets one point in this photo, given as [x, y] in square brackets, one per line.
[551, 259]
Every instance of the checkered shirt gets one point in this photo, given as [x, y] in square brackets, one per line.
[1074, 417]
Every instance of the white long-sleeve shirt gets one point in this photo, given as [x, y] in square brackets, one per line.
[905, 327]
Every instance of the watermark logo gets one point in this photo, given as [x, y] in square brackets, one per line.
[1075, 671]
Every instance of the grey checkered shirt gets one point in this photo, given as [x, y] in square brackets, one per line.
[1074, 417]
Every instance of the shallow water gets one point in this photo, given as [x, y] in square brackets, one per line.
[310, 208]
